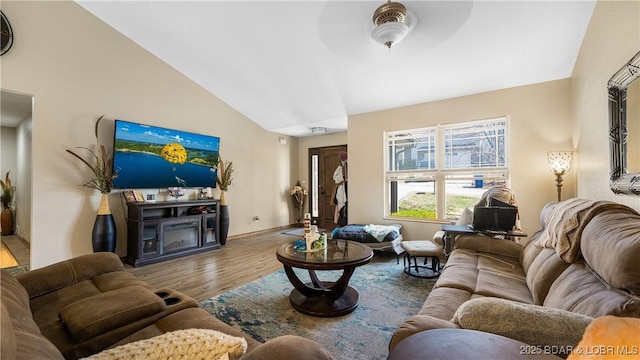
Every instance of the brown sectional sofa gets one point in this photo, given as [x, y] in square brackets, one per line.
[584, 262]
[87, 304]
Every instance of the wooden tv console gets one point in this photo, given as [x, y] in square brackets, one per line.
[166, 230]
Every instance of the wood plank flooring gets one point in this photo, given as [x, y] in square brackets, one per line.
[204, 275]
[19, 249]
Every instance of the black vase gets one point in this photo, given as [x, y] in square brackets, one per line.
[224, 224]
[103, 237]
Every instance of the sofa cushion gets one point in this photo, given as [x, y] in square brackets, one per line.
[180, 344]
[21, 337]
[104, 312]
[531, 324]
[443, 302]
[611, 246]
[578, 290]
[542, 272]
[485, 274]
[59, 275]
[487, 244]
[46, 306]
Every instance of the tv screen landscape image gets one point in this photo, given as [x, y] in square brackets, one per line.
[148, 157]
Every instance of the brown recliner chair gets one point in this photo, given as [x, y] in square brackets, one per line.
[82, 306]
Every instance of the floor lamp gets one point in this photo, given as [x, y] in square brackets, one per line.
[559, 163]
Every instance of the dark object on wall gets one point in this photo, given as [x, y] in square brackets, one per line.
[103, 237]
[224, 224]
[6, 34]
[152, 157]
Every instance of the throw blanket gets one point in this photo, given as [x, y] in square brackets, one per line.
[566, 223]
[380, 231]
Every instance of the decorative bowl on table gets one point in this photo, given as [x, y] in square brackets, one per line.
[175, 192]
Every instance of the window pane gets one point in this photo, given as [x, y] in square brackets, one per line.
[464, 159]
[411, 150]
[460, 194]
[416, 199]
[465, 191]
[475, 145]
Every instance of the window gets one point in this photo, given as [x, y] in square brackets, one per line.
[433, 173]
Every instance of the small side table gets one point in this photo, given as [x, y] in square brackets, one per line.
[461, 344]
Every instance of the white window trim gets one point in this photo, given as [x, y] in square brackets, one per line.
[439, 173]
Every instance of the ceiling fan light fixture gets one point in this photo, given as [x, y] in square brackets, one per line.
[392, 22]
[390, 33]
[389, 12]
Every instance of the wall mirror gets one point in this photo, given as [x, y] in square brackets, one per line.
[624, 128]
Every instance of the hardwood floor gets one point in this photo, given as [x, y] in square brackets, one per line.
[18, 248]
[204, 275]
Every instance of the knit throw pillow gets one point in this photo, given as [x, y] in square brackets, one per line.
[531, 324]
[179, 345]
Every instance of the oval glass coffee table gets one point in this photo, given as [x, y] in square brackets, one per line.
[324, 298]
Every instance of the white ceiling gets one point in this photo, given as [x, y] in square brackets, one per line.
[293, 65]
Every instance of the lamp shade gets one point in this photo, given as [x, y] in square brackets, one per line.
[559, 161]
[389, 33]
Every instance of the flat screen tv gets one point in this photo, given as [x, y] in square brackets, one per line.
[148, 157]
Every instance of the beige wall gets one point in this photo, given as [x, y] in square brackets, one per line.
[539, 122]
[612, 39]
[78, 68]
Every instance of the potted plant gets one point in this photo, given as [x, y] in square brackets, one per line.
[104, 229]
[224, 179]
[6, 198]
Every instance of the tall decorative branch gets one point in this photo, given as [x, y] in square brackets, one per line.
[100, 165]
[224, 178]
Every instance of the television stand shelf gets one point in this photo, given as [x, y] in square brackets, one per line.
[170, 229]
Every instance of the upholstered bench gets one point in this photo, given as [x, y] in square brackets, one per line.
[428, 250]
[378, 237]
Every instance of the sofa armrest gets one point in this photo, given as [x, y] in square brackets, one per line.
[416, 324]
[59, 275]
[289, 347]
[107, 311]
[530, 324]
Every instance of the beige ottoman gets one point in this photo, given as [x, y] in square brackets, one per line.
[428, 250]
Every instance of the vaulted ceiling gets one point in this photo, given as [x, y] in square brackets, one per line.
[293, 65]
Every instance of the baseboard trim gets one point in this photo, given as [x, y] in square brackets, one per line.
[258, 232]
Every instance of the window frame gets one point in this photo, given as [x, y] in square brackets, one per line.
[439, 175]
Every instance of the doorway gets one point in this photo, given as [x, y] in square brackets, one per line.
[15, 130]
[323, 162]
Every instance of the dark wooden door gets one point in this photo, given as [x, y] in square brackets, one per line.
[322, 164]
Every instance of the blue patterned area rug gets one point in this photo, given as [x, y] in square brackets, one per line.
[388, 297]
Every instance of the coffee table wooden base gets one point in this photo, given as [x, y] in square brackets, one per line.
[324, 306]
[324, 298]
